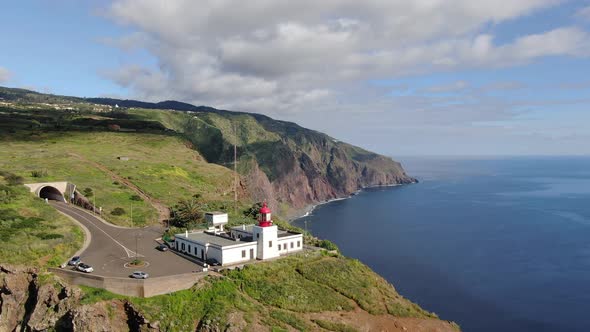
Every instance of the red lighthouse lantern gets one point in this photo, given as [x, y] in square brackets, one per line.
[264, 216]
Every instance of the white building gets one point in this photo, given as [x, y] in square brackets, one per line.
[239, 244]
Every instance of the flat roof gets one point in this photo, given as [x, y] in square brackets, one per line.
[202, 237]
[283, 233]
[247, 228]
[215, 213]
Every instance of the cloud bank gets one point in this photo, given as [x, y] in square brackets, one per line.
[286, 58]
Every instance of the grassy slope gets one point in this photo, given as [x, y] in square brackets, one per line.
[160, 165]
[277, 294]
[33, 233]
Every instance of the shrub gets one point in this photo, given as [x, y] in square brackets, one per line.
[135, 198]
[7, 194]
[328, 245]
[39, 173]
[118, 211]
[12, 179]
[88, 192]
[48, 236]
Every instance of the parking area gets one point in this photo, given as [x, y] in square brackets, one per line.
[112, 247]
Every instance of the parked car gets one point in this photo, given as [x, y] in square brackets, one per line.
[139, 275]
[162, 247]
[84, 268]
[212, 262]
[75, 261]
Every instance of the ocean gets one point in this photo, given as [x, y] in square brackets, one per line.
[493, 244]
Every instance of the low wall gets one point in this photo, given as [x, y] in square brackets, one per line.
[131, 287]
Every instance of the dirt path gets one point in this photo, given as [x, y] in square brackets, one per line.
[163, 211]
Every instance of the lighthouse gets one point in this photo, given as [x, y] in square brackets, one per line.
[266, 234]
[264, 216]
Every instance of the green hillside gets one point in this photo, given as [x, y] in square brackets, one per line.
[162, 166]
[32, 232]
[273, 155]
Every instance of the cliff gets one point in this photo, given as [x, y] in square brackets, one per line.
[289, 166]
[322, 293]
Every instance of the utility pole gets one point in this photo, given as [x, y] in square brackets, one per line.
[133, 224]
[235, 170]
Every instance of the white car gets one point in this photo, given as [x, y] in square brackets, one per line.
[84, 268]
[139, 275]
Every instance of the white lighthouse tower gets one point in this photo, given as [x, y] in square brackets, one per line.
[266, 234]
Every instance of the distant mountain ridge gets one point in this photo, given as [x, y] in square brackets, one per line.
[289, 166]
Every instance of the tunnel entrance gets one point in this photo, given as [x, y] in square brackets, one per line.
[51, 193]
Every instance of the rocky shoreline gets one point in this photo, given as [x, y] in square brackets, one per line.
[308, 210]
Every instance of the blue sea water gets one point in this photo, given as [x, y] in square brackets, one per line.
[492, 244]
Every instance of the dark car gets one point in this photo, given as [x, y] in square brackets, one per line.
[75, 261]
[162, 247]
[212, 262]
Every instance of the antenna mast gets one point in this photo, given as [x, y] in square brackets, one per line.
[235, 170]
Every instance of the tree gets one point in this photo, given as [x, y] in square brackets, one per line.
[187, 213]
[252, 212]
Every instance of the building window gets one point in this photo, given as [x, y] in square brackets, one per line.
[279, 247]
[298, 244]
[270, 244]
[291, 245]
[243, 253]
[182, 247]
[258, 235]
[189, 249]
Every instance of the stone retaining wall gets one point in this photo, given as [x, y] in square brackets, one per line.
[131, 287]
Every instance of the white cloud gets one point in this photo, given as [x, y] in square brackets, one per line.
[584, 13]
[5, 75]
[298, 60]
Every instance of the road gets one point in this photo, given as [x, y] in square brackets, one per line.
[111, 247]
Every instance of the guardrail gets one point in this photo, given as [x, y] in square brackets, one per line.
[132, 287]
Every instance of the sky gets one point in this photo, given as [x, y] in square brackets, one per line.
[421, 77]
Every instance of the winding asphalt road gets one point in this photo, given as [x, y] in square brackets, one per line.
[111, 247]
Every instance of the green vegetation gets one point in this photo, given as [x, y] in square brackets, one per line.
[334, 326]
[275, 294]
[328, 245]
[357, 282]
[161, 166]
[188, 213]
[209, 303]
[118, 211]
[31, 232]
[289, 289]
[94, 295]
[290, 319]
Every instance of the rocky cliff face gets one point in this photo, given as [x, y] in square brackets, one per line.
[281, 162]
[289, 166]
[30, 301]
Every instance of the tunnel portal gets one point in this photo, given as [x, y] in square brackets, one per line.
[51, 193]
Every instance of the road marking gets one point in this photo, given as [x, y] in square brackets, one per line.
[130, 253]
